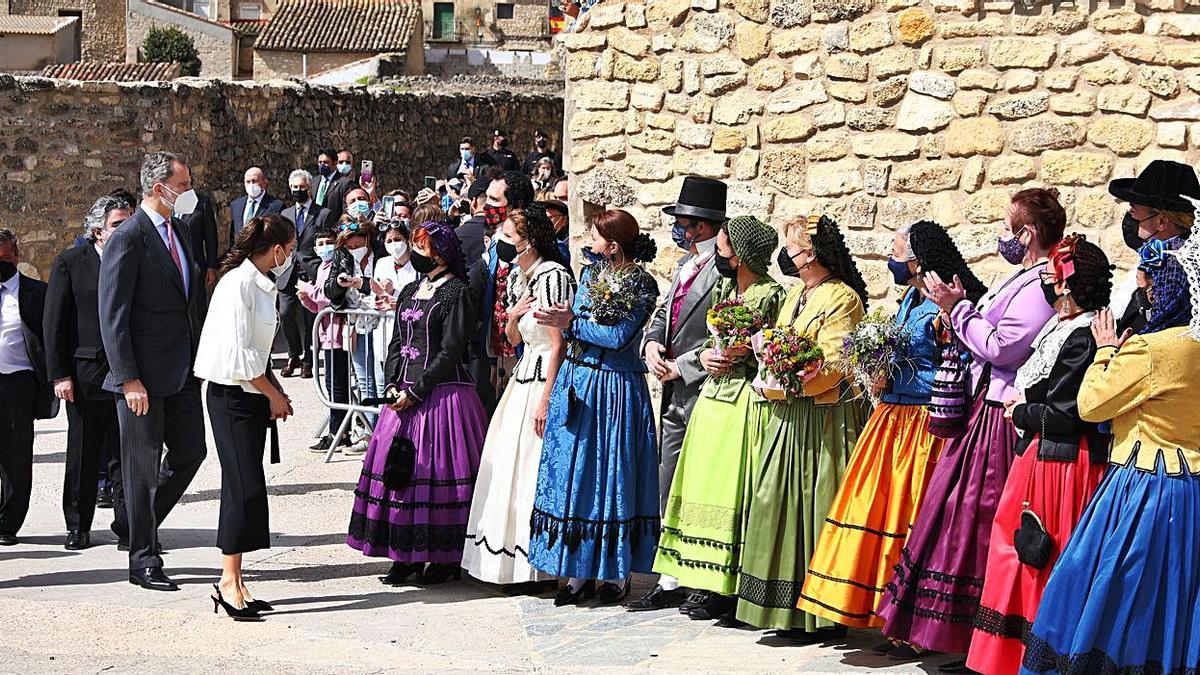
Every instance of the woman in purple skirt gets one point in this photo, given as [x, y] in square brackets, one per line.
[414, 496]
[931, 602]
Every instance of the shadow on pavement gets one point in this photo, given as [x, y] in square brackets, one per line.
[50, 458]
[286, 490]
[36, 555]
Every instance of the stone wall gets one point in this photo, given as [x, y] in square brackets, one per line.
[879, 112]
[64, 143]
[102, 34]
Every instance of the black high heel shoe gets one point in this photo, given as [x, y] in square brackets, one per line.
[260, 606]
[566, 597]
[244, 614]
[400, 572]
[611, 594]
[439, 574]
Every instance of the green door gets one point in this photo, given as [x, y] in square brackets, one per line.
[443, 21]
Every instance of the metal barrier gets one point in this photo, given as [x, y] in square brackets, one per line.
[353, 408]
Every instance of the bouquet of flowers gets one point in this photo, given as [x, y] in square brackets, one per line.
[871, 352]
[732, 324]
[615, 293]
[785, 357]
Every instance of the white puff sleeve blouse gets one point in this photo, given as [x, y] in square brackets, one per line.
[235, 344]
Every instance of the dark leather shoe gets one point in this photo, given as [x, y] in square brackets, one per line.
[77, 540]
[713, 608]
[323, 444]
[306, 372]
[104, 497]
[657, 598]
[7, 539]
[289, 369]
[693, 601]
[153, 579]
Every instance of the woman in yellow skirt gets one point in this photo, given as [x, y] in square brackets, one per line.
[866, 527]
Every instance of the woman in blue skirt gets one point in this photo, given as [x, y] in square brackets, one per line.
[595, 513]
[1125, 595]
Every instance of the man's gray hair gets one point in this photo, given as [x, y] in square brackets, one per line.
[7, 236]
[300, 173]
[98, 214]
[157, 167]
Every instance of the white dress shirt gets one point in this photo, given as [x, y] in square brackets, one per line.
[14, 357]
[704, 252]
[385, 270]
[160, 225]
[235, 345]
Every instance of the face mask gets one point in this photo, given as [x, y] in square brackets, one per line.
[325, 251]
[359, 209]
[540, 143]
[359, 253]
[724, 267]
[495, 216]
[324, 170]
[343, 168]
[1129, 231]
[900, 272]
[7, 270]
[185, 202]
[466, 155]
[679, 236]
[423, 264]
[1012, 250]
[786, 264]
[507, 251]
[593, 257]
[254, 190]
[504, 142]
[1050, 293]
[280, 270]
[300, 196]
[396, 248]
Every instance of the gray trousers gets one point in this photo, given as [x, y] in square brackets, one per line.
[153, 485]
[677, 403]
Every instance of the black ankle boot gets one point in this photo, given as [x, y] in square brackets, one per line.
[438, 573]
[400, 573]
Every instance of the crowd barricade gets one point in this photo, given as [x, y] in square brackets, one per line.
[355, 408]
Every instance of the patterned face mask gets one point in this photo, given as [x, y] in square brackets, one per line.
[495, 215]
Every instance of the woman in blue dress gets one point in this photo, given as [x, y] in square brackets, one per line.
[596, 514]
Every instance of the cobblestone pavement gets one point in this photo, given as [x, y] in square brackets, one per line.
[63, 611]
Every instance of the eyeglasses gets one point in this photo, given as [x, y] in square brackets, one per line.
[397, 224]
[348, 227]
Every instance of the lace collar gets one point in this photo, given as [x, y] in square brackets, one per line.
[1046, 347]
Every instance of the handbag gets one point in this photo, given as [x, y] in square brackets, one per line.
[401, 459]
[1034, 544]
[948, 405]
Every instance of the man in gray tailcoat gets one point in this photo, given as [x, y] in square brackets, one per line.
[676, 335]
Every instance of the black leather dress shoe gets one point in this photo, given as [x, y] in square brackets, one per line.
[152, 578]
[713, 608]
[657, 598]
[104, 497]
[7, 539]
[77, 540]
[693, 601]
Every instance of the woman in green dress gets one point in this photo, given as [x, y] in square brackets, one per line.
[702, 529]
[806, 441]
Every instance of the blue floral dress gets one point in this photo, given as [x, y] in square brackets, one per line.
[595, 514]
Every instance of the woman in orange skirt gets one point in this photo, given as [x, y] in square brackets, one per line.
[893, 459]
[1060, 459]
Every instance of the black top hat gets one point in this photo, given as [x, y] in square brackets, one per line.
[1159, 186]
[702, 198]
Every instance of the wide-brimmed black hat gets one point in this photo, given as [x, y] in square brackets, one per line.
[553, 205]
[1160, 186]
[702, 198]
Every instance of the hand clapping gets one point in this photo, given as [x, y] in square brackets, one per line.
[944, 295]
[1104, 329]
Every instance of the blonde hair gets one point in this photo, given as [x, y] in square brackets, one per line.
[798, 230]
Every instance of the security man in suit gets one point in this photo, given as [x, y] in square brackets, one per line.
[256, 203]
[309, 218]
[152, 305]
[202, 225]
[76, 366]
[24, 390]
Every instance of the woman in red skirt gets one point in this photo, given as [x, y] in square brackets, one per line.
[1060, 458]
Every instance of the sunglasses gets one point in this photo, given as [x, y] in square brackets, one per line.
[397, 224]
[348, 227]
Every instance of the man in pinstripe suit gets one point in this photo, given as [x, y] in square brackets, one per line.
[152, 303]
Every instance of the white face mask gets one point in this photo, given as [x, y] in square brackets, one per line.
[254, 190]
[185, 203]
[280, 270]
[397, 248]
[359, 253]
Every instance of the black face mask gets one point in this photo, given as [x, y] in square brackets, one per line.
[300, 196]
[423, 264]
[1050, 293]
[724, 268]
[1129, 231]
[7, 270]
[506, 251]
[786, 265]
[541, 143]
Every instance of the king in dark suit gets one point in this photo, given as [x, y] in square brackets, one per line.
[77, 366]
[152, 304]
[256, 203]
[24, 389]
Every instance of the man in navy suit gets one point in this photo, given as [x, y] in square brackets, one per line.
[152, 305]
[309, 218]
[24, 390]
[255, 204]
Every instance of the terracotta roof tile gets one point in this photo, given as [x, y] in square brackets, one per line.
[247, 26]
[370, 26]
[23, 24]
[116, 72]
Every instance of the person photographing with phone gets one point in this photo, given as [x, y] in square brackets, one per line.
[244, 398]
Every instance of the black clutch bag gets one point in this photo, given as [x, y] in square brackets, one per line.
[398, 469]
[1033, 543]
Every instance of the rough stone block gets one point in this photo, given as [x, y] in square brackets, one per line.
[914, 25]
[730, 110]
[1035, 136]
[988, 27]
[1161, 82]
[1181, 55]
[1172, 135]
[588, 124]
[628, 42]
[701, 109]
[846, 67]
[728, 140]
[649, 167]
[1123, 135]
[755, 10]
[663, 14]
[702, 164]
[657, 121]
[1107, 71]
[1074, 103]
[1136, 47]
[784, 129]
[768, 76]
[851, 92]
[723, 84]
[889, 92]
[606, 15]
[976, 136]
[833, 179]
[1117, 21]
[829, 115]
[887, 145]
[988, 206]
[808, 66]
[647, 97]
[1130, 100]
[923, 113]
[581, 66]
[786, 169]
[580, 41]
[1185, 110]
[635, 16]
[932, 84]
[828, 145]
[790, 13]
[829, 11]
[798, 41]
[705, 5]
[1021, 106]
[969, 103]
[972, 178]
[836, 38]
[893, 61]
[753, 41]
[1082, 48]
[629, 69]
[870, 119]
[926, 177]
[694, 135]
[956, 58]
[745, 166]
[599, 95]
[1174, 25]
[867, 35]
[1020, 80]
[1075, 168]
[1011, 169]
[706, 33]
[799, 95]
[1013, 52]
[978, 79]
[678, 103]
[1062, 79]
